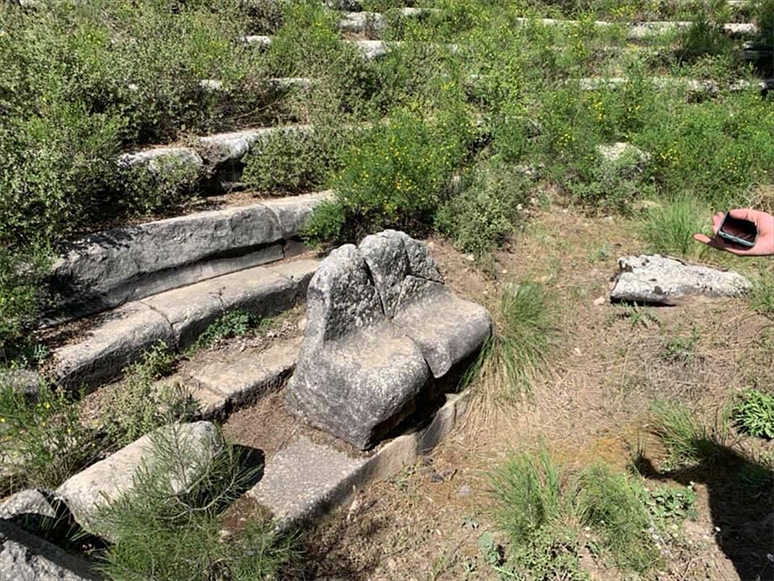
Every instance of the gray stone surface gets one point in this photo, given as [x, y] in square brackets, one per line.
[361, 22]
[623, 158]
[122, 336]
[373, 49]
[183, 159]
[108, 479]
[306, 478]
[234, 382]
[25, 557]
[23, 381]
[189, 310]
[30, 502]
[223, 148]
[446, 329]
[176, 317]
[660, 280]
[377, 317]
[109, 268]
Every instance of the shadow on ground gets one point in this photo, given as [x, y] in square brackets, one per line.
[741, 500]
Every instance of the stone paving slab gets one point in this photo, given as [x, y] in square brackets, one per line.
[225, 385]
[305, 479]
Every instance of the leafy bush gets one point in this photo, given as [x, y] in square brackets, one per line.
[42, 440]
[294, 162]
[393, 176]
[167, 534]
[22, 295]
[141, 403]
[669, 229]
[485, 212]
[754, 414]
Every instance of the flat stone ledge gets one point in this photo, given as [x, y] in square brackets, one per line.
[25, 557]
[109, 268]
[176, 317]
[305, 479]
[86, 492]
[224, 386]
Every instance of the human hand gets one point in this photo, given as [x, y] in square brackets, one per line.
[764, 244]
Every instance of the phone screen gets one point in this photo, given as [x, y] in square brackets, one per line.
[742, 229]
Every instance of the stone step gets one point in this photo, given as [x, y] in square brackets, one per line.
[645, 30]
[360, 22]
[305, 478]
[177, 317]
[696, 86]
[238, 379]
[370, 49]
[107, 269]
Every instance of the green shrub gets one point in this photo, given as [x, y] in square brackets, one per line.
[233, 324]
[42, 440]
[141, 403]
[702, 38]
[669, 229]
[294, 162]
[485, 212]
[754, 414]
[394, 174]
[22, 295]
[167, 534]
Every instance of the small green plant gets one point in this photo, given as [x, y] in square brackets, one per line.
[754, 414]
[682, 349]
[689, 440]
[669, 229]
[294, 162]
[42, 440]
[480, 217]
[672, 503]
[167, 528]
[142, 403]
[233, 324]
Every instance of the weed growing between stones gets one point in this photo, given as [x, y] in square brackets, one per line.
[168, 526]
[754, 414]
[42, 441]
[143, 402]
[232, 324]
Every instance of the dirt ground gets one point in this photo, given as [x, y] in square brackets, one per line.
[591, 405]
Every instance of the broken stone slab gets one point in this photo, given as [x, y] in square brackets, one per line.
[90, 490]
[224, 386]
[118, 340]
[305, 478]
[379, 321]
[659, 280]
[31, 502]
[623, 159]
[109, 268]
[25, 557]
[176, 318]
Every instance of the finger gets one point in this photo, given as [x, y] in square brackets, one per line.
[743, 214]
[703, 238]
[717, 219]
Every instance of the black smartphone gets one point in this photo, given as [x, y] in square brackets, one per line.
[742, 232]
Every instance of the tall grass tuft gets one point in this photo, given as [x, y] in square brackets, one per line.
[669, 229]
[688, 439]
[762, 295]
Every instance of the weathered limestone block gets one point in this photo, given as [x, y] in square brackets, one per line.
[661, 280]
[27, 503]
[25, 557]
[623, 158]
[108, 479]
[379, 322]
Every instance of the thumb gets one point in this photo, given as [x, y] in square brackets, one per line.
[703, 238]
